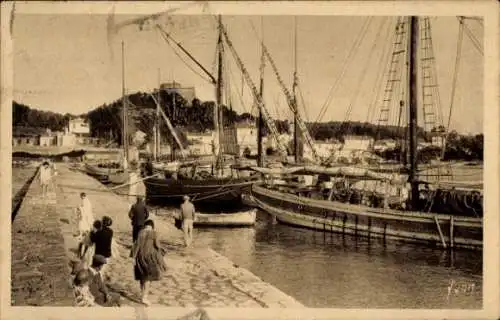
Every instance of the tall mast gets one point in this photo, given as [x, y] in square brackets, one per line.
[412, 114]
[124, 107]
[172, 142]
[156, 130]
[218, 121]
[296, 129]
[260, 120]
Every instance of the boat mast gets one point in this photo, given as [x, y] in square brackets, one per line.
[260, 120]
[124, 108]
[218, 121]
[172, 142]
[156, 129]
[296, 129]
[412, 114]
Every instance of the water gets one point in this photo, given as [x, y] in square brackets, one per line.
[327, 270]
[19, 177]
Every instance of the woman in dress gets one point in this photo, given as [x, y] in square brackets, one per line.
[148, 257]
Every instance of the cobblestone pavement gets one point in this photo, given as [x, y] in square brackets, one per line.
[195, 277]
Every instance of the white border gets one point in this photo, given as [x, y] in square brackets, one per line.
[487, 9]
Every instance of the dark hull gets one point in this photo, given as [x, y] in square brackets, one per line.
[209, 195]
[432, 229]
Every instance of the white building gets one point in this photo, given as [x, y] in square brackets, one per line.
[78, 126]
[246, 136]
[200, 143]
[438, 141]
[188, 93]
[385, 144]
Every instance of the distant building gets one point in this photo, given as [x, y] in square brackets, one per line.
[200, 142]
[26, 136]
[78, 127]
[358, 143]
[438, 141]
[246, 136]
[188, 93]
[385, 144]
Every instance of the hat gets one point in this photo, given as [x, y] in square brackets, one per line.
[98, 260]
[185, 198]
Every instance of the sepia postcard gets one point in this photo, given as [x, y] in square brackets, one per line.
[250, 160]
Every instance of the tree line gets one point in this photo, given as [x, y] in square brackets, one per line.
[106, 122]
[24, 116]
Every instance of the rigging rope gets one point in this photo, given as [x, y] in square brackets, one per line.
[454, 84]
[476, 43]
[163, 35]
[386, 52]
[364, 71]
[353, 51]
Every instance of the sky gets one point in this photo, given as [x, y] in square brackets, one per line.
[67, 63]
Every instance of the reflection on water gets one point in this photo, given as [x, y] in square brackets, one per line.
[329, 270]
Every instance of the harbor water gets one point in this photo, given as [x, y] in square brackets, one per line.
[329, 270]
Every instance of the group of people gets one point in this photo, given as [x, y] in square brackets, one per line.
[95, 249]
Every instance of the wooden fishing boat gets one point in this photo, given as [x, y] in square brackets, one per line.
[210, 194]
[443, 214]
[239, 219]
[297, 207]
[99, 172]
[119, 177]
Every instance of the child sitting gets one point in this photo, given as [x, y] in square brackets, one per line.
[81, 290]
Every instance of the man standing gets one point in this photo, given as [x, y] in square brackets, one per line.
[45, 176]
[188, 215]
[138, 214]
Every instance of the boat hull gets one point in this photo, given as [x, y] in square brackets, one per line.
[207, 194]
[100, 173]
[414, 227]
[238, 219]
[118, 178]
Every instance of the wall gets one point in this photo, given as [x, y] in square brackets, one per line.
[25, 141]
[40, 266]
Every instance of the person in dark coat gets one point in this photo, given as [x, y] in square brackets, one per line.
[138, 215]
[102, 239]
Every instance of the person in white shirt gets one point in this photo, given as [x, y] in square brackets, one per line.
[45, 175]
[85, 221]
[188, 217]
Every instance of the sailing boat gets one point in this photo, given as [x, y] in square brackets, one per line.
[115, 173]
[211, 191]
[445, 218]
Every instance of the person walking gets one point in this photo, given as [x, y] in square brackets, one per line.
[45, 175]
[138, 215]
[148, 259]
[85, 220]
[188, 216]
